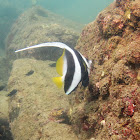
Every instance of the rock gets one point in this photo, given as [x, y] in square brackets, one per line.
[4, 72]
[112, 43]
[38, 110]
[4, 115]
[37, 25]
[3, 105]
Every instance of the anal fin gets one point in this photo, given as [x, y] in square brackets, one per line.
[58, 81]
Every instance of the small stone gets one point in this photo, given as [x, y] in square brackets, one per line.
[103, 122]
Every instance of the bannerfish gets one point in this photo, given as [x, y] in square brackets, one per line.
[72, 66]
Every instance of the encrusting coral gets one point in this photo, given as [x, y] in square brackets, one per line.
[109, 108]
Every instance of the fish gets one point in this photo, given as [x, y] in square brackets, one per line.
[72, 66]
[13, 92]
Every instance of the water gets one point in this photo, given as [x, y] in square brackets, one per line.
[83, 11]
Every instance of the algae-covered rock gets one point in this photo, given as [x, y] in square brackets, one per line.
[37, 109]
[3, 105]
[37, 25]
[5, 133]
[4, 72]
[109, 107]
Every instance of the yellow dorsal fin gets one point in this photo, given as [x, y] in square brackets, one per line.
[58, 81]
[59, 64]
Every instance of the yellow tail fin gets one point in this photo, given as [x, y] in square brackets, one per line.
[58, 81]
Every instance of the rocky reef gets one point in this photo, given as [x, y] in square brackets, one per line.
[109, 108]
[37, 109]
[45, 26]
[5, 133]
[4, 72]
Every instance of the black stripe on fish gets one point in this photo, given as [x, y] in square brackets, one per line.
[70, 71]
[84, 71]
